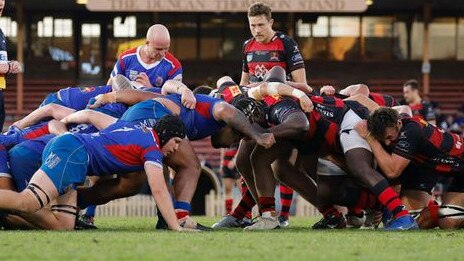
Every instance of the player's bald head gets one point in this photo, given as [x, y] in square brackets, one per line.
[159, 35]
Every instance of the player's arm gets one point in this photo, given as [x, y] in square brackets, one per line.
[97, 119]
[403, 110]
[245, 79]
[52, 110]
[355, 89]
[281, 89]
[364, 101]
[161, 194]
[223, 111]
[392, 165]
[177, 87]
[299, 75]
[304, 87]
[129, 97]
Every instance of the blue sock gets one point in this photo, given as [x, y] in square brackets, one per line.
[183, 205]
[91, 211]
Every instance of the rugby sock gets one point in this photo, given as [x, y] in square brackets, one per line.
[90, 211]
[366, 201]
[182, 209]
[228, 204]
[243, 190]
[266, 204]
[433, 210]
[246, 204]
[389, 198]
[286, 196]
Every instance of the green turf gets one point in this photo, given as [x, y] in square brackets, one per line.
[135, 239]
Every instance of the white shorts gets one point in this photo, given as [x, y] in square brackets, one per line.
[328, 168]
[349, 138]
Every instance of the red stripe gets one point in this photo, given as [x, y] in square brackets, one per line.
[437, 138]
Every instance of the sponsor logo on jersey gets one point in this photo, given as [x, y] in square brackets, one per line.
[260, 71]
[273, 56]
[249, 57]
[159, 81]
[133, 75]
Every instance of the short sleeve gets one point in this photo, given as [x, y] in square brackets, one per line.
[293, 57]
[409, 140]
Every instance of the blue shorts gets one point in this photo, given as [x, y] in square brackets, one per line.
[145, 113]
[52, 98]
[24, 162]
[4, 166]
[65, 161]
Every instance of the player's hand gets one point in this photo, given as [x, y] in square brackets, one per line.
[101, 100]
[143, 79]
[266, 140]
[306, 104]
[328, 90]
[188, 99]
[361, 128]
[15, 67]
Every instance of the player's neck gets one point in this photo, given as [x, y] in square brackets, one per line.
[144, 55]
[416, 101]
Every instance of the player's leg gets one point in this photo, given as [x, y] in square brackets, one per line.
[229, 179]
[360, 162]
[187, 167]
[451, 212]
[51, 110]
[6, 181]
[248, 188]
[417, 183]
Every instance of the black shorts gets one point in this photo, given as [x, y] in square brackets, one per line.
[281, 110]
[418, 177]
[230, 173]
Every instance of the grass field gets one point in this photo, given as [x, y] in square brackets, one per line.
[135, 239]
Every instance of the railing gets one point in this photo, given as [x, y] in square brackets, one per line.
[144, 206]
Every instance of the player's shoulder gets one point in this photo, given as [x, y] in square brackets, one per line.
[283, 37]
[248, 41]
[172, 59]
[128, 53]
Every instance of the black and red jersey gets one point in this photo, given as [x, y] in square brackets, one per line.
[426, 144]
[324, 123]
[383, 99]
[423, 110]
[259, 58]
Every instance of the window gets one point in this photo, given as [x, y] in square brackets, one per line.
[63, 28]
[125, 27]
[90, 30]
[377, 33]
[443, 38]
[8, 26]
[50, 27]
[344, 40]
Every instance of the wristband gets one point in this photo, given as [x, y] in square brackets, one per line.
[298, 94]
[369, 137]
[9, 68]
[272, 88]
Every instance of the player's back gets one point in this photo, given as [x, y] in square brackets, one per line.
[120, 150]
[199, 122]
[77, 98]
